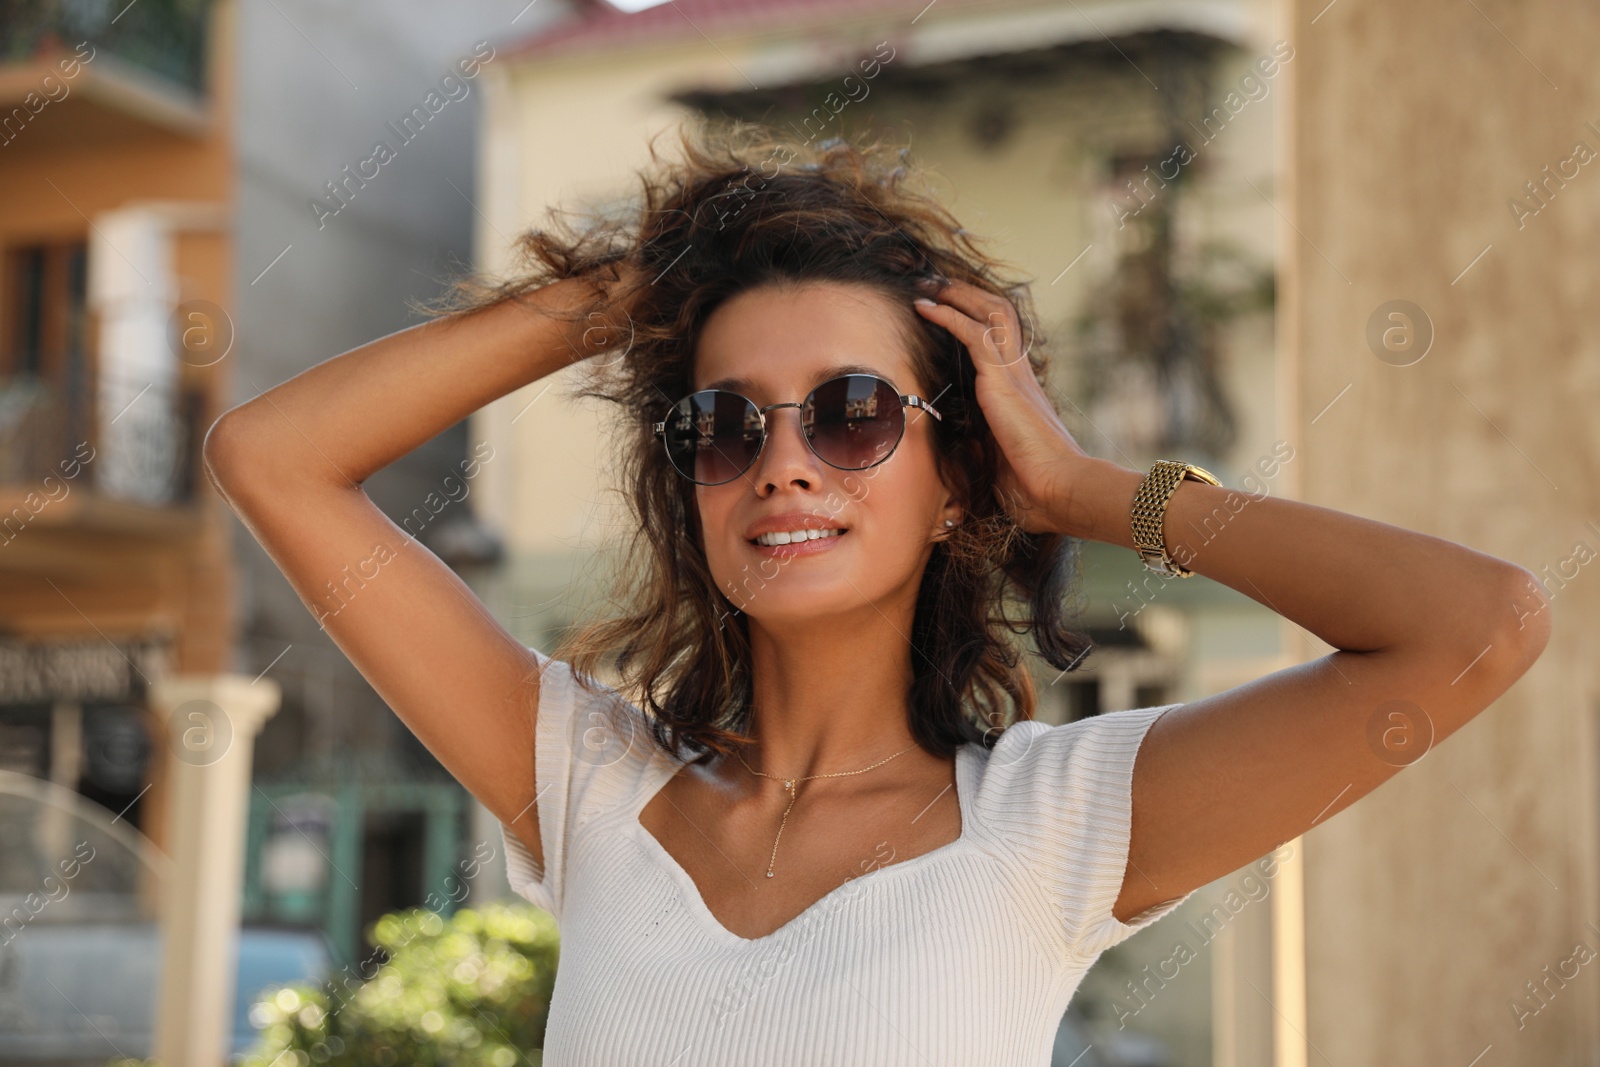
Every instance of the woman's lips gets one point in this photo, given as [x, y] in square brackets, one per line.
[810, 547]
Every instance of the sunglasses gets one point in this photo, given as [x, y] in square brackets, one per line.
[851, 422]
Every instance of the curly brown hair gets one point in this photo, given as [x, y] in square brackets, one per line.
[743, 209]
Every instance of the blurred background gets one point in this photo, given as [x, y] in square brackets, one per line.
[1334, 251]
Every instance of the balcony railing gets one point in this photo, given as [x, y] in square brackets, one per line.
[147, 454]
[165, 37]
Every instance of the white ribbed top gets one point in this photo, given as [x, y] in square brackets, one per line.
[964, 955]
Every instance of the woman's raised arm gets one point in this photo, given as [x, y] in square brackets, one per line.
[1426, 633]
[291, 463]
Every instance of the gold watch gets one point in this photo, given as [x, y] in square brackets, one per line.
[1150, 510]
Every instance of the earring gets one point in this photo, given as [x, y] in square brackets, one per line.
[949, 522]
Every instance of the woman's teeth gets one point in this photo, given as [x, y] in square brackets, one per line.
[782, 538]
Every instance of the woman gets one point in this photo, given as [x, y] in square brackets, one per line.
[826, 828]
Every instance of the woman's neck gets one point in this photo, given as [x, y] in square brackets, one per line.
[828, 699]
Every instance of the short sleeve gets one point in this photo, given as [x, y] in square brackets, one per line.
[1061, 798]
[589, 753]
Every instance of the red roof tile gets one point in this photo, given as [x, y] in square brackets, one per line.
[601, 25]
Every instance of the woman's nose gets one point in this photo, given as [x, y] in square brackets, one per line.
[786, 456]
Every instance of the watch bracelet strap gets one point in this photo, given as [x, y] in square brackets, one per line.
[1150, 510]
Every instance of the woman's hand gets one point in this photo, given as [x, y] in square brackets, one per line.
[1040, 461]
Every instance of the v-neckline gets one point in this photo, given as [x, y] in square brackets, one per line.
[703, 911]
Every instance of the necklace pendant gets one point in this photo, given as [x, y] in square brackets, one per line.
[769, 874]
[789, 784]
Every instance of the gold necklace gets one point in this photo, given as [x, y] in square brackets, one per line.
[791, 783]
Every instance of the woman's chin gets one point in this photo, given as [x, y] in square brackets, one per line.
[822, 604]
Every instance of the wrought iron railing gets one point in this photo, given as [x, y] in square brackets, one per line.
[149, 454]
[165, 37]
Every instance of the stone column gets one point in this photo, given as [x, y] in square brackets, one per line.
[132, 290]
[211, 722]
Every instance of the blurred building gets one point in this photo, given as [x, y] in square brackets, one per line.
[117, 249]
[117, 237]
[351, 816]
[185, 223]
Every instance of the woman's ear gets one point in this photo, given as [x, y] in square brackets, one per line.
[951, 515]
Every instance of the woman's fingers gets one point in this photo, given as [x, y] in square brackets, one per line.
[985, 322]
[1036, 448]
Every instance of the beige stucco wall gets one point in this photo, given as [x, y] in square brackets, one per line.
[1431, 902]
[554, 133]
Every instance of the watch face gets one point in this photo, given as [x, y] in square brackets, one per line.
[1155, 563]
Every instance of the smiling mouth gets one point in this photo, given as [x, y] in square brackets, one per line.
[773, 540]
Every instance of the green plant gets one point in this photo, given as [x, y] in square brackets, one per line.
[469, 991]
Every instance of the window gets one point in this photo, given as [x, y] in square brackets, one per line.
[46, 382]
[46, 310]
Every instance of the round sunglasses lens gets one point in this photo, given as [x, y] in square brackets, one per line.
[854, 421]
[713, 436]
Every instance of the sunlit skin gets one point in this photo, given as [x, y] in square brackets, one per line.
[829, 632]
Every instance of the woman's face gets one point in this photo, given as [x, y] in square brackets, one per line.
[773, 345]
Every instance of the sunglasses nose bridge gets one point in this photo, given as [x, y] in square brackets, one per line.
[767, 430]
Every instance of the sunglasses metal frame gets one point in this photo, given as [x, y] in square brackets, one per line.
[659, 429]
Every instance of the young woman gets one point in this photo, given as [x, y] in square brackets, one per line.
[814, 821]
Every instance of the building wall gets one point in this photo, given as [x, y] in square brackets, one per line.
[87, 569]
[317, 282]
[1415, 127]
[73, 163]
[298, 91]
